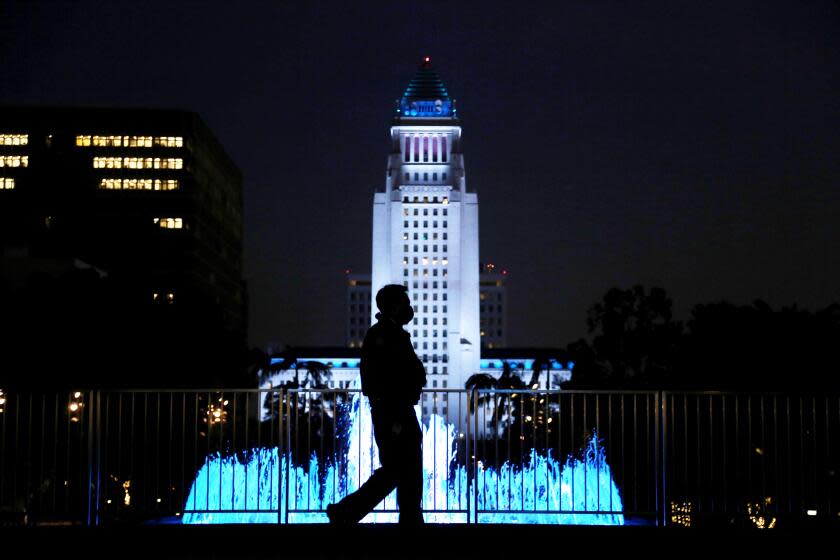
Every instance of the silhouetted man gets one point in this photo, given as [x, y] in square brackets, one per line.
[392, 379]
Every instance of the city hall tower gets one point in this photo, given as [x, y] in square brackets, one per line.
[425, 236]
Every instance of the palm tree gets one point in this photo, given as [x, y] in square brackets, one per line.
[497, 395]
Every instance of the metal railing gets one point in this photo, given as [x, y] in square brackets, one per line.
[280, 456]
[759, 458]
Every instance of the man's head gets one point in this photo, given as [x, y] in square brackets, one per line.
[393, 303]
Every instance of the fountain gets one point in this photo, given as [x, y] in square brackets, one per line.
[540, 490]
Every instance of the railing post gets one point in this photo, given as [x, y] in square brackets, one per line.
[92, 409]
[287, 453]
[473, 448]
[467, 458]
[98, 454]
[662, 456]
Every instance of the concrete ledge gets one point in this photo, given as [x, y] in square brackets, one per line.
[430, 542]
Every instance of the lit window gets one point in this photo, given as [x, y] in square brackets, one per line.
[137, 163]
[14, 161]
[445, 200]
[169, 141]
[7, 183]
[166, 184]
[170, 297]
[170, 223]
[107, 162]
[14, 139]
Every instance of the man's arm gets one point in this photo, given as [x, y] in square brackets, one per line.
[372, 366]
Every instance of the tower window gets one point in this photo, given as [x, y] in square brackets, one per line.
[425, 148]
[443, 149]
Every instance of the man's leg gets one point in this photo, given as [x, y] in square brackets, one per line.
[382, 482]
[410, 475]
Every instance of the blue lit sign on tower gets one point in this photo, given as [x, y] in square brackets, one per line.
[426, 96]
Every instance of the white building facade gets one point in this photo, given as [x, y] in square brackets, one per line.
[425, 232]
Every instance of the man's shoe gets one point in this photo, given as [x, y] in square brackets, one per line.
[335, 516]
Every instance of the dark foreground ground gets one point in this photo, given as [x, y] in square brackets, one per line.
[432, 542]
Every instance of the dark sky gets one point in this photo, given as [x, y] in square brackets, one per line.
[689, 145]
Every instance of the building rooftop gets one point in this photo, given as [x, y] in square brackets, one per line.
[426, 96]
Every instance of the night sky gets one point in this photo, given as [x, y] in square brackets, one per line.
[693, 146]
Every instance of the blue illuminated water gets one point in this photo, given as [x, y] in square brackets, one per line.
[540, 490]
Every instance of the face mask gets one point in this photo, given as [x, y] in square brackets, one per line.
[405, 315]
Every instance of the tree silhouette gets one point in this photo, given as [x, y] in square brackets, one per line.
[635, 341]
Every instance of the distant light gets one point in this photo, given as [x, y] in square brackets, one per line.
[77, 394]
[427, 59]
[812, 512]
[504, 271]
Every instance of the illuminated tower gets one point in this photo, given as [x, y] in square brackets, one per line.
[425, 235]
